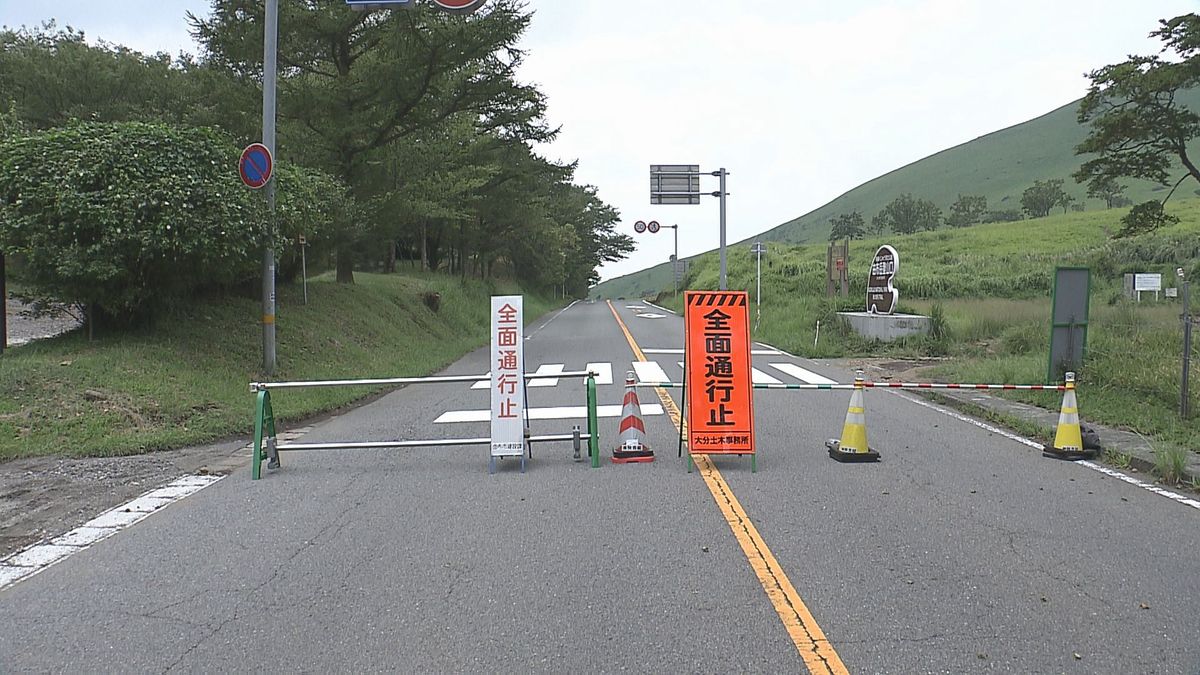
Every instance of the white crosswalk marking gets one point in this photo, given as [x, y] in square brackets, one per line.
[545, 369]
[603, 372]
[755, 352]
[649, 371]
[485, 383]
[559, 413]
[759, 377]
[802, 374]
[756, 376]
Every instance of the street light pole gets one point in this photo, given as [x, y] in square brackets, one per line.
[270, 58]
[722, 173]
[675, 260]
[758, 249]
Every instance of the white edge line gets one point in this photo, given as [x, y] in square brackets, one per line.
[57, 549]
[1173, 496]
[663, 309]
[535, 331]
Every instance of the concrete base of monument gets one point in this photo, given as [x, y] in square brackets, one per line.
[887, 327]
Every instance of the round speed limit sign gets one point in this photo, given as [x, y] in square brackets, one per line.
[639, 226]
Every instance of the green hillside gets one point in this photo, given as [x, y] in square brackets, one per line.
[998, 166]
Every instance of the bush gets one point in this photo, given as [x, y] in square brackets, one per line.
[126, 217]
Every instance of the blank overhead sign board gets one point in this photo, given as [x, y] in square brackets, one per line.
[674, 183]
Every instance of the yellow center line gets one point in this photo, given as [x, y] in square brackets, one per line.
[810, 640]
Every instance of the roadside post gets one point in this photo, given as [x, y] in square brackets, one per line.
[758, 249]
[680, 184]
[1186, 316]
[718, 395]
[304, 266]
[3, 306]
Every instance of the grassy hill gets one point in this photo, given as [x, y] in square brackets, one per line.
[998, 166]
[991, 284]
[184, 381]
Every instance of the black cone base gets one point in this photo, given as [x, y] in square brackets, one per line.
[836, 452]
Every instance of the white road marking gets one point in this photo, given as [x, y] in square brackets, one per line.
[634, 307]
[560, 413]
[38, 557]
[802, 374]
[545, 369]
[756, 376]
[649, 371]
[535, 331]
[759, 377]
[603, 372]
[661, 309]
[484, 384]
[651, 315]
[1173, 496]
[755, 352]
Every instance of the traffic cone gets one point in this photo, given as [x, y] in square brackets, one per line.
[631, 440]
[853, 445]
[1068, 438]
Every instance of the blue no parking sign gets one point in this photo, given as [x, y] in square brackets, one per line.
[255, 165]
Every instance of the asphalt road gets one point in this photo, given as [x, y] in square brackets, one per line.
[961, 551]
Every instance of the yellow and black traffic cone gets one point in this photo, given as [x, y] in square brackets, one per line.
[631, 443]
[1068, 438]
[853, 445]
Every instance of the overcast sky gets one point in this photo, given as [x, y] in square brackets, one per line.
[801, 100]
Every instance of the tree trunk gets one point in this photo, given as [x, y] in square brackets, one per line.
[391, 263]
[424, 246]
[345, 265]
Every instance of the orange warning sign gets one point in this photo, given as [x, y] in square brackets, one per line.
[720, 403]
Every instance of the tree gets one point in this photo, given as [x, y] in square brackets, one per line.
[1043, 196]
[1145, 217]
[103, 222]
[1067, 201]
[1002, 216]
[1108, 189]
[878, 224]
[847, 226]
[352, 83]
[905, 215]
[967, 210]
[1138, 125]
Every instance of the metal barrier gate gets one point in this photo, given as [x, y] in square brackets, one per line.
[267, 447]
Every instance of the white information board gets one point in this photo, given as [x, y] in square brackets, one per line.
[1147, 282]
[508, 376]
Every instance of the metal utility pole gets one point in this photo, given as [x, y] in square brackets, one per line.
[675, 260]
[722, 173]
[758, 249]
[270, 58]
[1187, 346]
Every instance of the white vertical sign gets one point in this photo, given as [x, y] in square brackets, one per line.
[508, 376]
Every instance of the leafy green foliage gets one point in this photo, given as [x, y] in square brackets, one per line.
[847, 226]
[905, 215]
[1139, 124]
[1145, 217]
[967, 210]
[1108, 189]
[126, 216]
[1043, 196]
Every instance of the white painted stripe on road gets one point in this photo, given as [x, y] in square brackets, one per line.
[34, 559]
[1038, 446]
[649, 371]
[664, 309]
[755, 352]
[484, 384]
[535, 331]
[603, 372]
[759, 377]
[559, 413]
[802, 374]
[756, 376]
[546, 369]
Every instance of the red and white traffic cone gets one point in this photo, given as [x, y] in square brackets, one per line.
[632, 445]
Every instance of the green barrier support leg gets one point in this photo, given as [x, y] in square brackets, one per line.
[260, 411]
[754, 462]
[593, 425]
